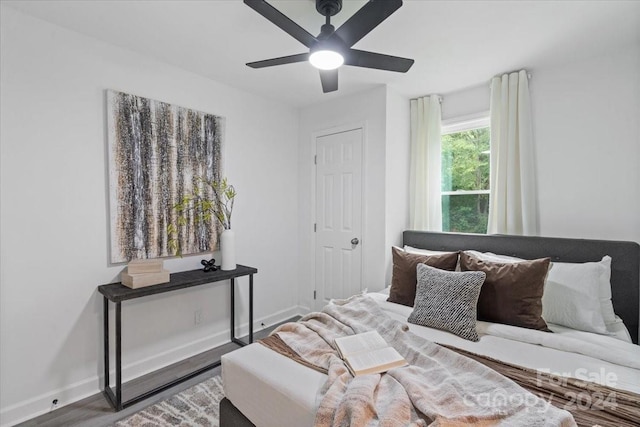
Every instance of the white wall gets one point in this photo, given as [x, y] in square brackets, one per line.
[587, 143]
[54, 215]
[398, 149]
[466, 102]
[587, 131]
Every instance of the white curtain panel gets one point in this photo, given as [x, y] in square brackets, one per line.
[425, 204]
[513, 202]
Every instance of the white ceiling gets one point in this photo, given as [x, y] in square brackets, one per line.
[455, 44]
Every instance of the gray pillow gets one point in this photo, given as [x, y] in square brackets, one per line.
[447, 300]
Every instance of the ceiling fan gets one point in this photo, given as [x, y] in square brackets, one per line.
[332, 48]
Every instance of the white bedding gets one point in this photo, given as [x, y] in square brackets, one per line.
[271, 389]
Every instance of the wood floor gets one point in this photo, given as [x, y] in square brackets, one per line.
[95, 411]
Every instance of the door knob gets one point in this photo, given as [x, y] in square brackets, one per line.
[355, 241]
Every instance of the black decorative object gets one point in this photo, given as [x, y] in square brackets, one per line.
[209, 265]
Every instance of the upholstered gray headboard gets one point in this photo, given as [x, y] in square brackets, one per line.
[625, 264]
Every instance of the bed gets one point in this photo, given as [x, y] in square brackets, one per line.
[265, 388]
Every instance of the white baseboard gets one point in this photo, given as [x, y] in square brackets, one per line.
[302, 310]
[268, 321]
[31, 408]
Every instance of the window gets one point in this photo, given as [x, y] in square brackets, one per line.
[465, 175]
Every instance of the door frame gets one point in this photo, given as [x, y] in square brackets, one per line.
[314, 188]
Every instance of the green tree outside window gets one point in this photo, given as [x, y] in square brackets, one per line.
[465, 181]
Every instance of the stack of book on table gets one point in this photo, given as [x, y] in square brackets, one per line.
[144, 272]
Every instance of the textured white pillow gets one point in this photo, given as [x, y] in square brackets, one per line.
[576, 295]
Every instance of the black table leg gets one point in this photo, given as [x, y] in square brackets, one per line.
[250, 308]
[118, 356]
[105, 318]
[233, 312]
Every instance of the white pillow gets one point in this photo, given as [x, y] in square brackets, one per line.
[491, 257]
[609, 314]
[619, 330]
[571, 303]
[413, 250]
[591, 278]
[576, 295]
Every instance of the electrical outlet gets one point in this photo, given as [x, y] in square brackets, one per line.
[197, 317]
[54, 404]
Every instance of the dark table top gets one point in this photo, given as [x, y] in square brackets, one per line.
[117, 292]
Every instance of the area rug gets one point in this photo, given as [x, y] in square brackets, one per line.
[196, 406]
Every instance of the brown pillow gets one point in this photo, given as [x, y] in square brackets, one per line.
[512, 292]
[405, 277]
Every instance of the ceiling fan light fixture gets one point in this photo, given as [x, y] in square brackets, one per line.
[332, 47]
[326, 59]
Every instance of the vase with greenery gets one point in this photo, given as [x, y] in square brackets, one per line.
[209, 201]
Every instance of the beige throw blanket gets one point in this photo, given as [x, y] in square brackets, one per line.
[438, 388]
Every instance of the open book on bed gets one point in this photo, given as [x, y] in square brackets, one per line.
[368, 353]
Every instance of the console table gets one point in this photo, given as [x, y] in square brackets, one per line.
[116, 293]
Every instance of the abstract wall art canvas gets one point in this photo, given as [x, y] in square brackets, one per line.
[157, 154]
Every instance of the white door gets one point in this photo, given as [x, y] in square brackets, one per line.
[338, 227]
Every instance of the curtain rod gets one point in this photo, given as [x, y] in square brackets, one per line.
[514, 71]
[508, 73]
[439, 98]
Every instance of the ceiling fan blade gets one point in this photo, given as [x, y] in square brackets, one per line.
[282, 21]
[366, 19]
[301, 57]
[362, 58]
[329, 79]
